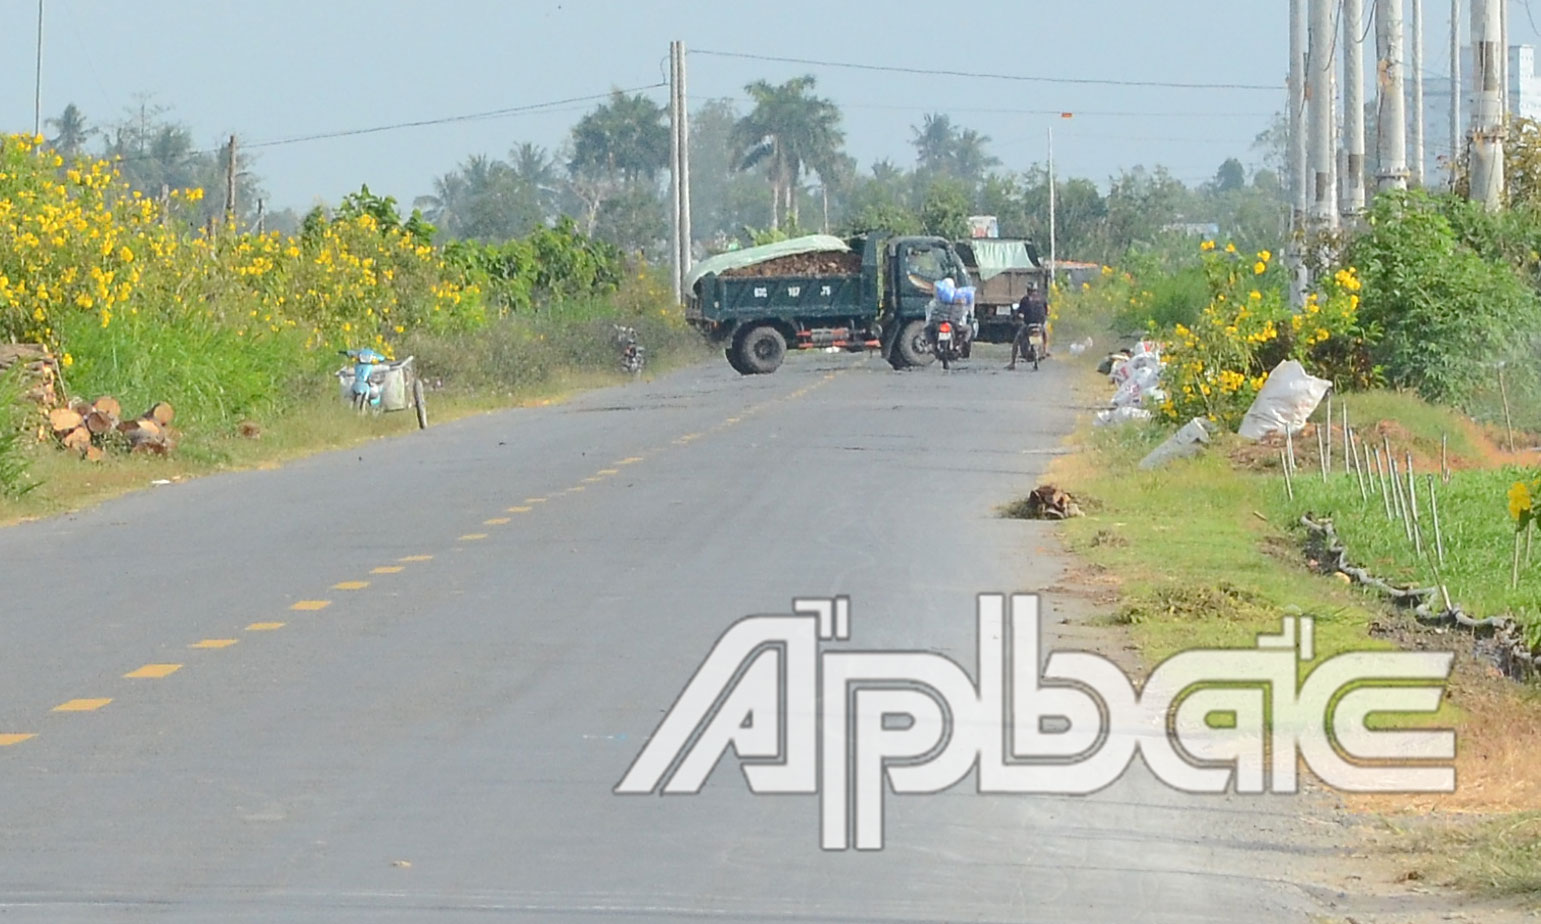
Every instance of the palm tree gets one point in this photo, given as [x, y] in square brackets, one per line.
[73, 132]
[534, 166]
[934, 141]
[447, 204]
[787, 131]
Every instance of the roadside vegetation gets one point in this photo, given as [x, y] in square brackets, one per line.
[1426, 323]
[240, 330]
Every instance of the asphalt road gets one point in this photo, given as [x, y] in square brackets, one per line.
[412, 673]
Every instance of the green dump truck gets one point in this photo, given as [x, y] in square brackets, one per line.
[819, 292]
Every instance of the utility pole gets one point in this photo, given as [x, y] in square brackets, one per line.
[1296, 153]
[1391, 107]
[1353, 108]
[1457, 132]
[686, 254]
[230, 183]
[37, 84]
[1415, 143]
[674, 173]
[1053, 230]
[1323, 152]
[1487, 139]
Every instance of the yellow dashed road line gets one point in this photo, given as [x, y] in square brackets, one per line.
[81, 705]
[519, 509]
[388, 569]
[497, 521]
[214, 643]
[310, 606]
[153, 672]
[265, 626]
[631, 460]
[411, 559]
[607, 472]
[473, 537]
[535, 500]
[592, 479]
[350, 585]
[15, 738]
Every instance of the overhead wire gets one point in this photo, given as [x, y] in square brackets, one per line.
[981, 75]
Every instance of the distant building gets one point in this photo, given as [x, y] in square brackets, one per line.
[1524, 102]
[1204, 229]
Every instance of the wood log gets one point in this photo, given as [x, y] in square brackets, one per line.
[148, 426]
[108, 405]
[100, 423]
[63, 420]
[95, 454]
[12, 353]
[77, 440]
[162, 413]
[82, 407]
[151, 446]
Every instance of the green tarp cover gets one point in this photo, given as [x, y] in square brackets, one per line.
[996, 257]
[749, 256]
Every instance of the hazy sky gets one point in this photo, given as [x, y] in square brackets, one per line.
[270, 70]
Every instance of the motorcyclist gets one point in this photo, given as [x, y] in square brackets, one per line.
[953, 305]
[1032, 310]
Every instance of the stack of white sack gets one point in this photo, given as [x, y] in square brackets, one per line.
[1138, 377]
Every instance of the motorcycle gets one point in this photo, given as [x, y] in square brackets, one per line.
[947, 343]
[375, 384]
[633, 356]
[1034, 344]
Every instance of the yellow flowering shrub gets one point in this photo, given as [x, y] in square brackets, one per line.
[1217, 364]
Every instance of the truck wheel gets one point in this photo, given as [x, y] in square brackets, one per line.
[732, 354]
[913, 346]
[762, 350]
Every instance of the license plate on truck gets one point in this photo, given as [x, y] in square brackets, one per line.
[1003, 311]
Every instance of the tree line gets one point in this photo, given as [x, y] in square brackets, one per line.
[776, 167]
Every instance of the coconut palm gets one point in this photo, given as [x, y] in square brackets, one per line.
[787, 131]
[73, 132]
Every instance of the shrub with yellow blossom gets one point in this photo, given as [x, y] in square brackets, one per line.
[1217, 365]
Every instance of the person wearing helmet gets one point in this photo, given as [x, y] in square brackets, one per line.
[1032, 310]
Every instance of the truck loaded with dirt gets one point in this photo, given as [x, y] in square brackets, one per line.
[1003, 271]
[820, 292]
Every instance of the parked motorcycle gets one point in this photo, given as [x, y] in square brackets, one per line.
[947, 343]
[376, 384]
[633, 356]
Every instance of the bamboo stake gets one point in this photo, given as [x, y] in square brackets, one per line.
[1439, 535]
[1327, 461]
[1503, 389]
[1322, 452]
[1401, 500]
[1412, 489]
[1444, 457]
[1514, 571]
[1357, 471]
[1289, 444]
[1284, 463]
[1386, 487]
[1349, 459]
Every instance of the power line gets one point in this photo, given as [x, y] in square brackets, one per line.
[1078, 113]
[549, 106]
[931, 72]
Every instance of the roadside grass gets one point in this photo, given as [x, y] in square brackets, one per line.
[1205, 553]
[496, 370]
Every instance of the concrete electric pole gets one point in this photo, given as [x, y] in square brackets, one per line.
[679, 169]
[1415, 142]
[1320, 71]
[1391, 106]
[1487, 139]
[1353, 109]
[1457, 91]
[1296, 154]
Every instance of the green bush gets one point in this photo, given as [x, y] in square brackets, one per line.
[14, 476]
[1447, 314]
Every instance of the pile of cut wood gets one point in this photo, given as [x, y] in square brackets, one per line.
[39, 368]
[91, 428]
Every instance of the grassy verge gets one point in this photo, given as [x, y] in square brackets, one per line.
[1205, 553]
[516, 362]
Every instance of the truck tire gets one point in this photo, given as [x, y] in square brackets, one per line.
[732, 354]
[762, 350]
[913, 348]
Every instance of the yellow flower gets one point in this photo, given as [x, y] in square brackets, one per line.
[1259, 268]
[1519, 501]
[1207, 246]
[1230, 248]
[68, 360]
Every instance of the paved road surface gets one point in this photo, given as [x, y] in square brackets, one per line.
[438, 740]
